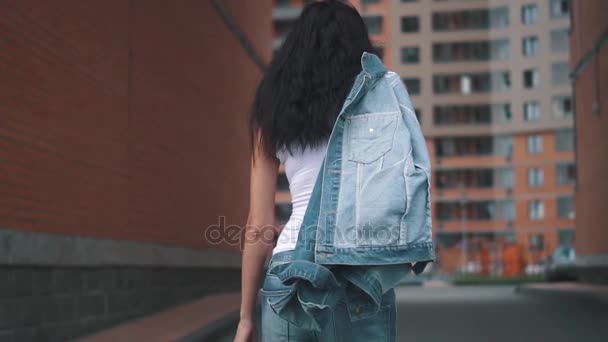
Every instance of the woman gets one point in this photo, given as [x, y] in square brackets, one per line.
[295, 108]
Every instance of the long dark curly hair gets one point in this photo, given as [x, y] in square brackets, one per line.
[303, 89]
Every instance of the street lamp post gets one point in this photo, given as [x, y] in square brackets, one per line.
[463, 219]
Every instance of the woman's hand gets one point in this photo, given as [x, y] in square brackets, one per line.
[256, 247]
[246, 331]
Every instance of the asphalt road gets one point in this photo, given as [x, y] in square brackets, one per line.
[496, 313]
[493, 314]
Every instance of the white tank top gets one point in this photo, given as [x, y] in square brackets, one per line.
[301, 170]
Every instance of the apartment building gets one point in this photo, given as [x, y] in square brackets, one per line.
[489, 79]
[374, 12]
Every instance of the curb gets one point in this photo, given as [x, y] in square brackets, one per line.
[561, 293]
[212, 331]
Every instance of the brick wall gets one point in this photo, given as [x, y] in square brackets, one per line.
[591, 86]
[125, 119]
[120, 120]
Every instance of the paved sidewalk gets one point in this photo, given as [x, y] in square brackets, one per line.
[179, 323]
[497, 314]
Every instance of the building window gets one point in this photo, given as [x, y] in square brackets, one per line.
[410, 24]
[282, 212]
[559, 40]
[506, 177]
[531, 111]
[565, 236]
[418, 113]
[503, 145]
[565, 207]
[562, 107]
[502, 112]
[412, 85]
[531, 78]
[283, 3]
[469, 178]
[379, 51]
[462, 115]
[473, 146]
[566, 173]
[560, 8]
[564, 140]
[530, 46]
[374, 24]
[535, 177]
[479, 114]
[463, 146]
[559, 73]
[410, 55]
[529, 14]
[475, 210]
[282, 182]
[535, 144]
[471, 51]
[536, 210]
[481, 82]
[479, 19]
[507, 209]
[536, 242]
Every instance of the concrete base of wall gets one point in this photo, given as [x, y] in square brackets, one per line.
[19, 247]
[58, 303]
[55, 287]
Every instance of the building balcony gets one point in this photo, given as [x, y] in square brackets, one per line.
[455, 194]
[472, 226]
[472, 161]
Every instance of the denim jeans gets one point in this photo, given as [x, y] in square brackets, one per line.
[379, 328]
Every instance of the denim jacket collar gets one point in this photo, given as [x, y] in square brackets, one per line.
[372, 66]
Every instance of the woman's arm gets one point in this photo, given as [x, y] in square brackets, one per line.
[260, 235]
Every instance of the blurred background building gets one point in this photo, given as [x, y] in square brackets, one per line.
[489, 79]
[374, 12]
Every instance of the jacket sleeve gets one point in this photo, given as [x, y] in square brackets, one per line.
[419, 147]
[420, 180]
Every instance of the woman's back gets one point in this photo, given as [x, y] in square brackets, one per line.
[301, 170]
[297, 102]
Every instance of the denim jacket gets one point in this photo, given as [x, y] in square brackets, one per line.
[369, 215]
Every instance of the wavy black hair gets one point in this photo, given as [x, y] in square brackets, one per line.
[302, 91]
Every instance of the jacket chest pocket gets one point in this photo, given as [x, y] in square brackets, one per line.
[370, 136]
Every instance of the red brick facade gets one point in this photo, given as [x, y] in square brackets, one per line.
[126, 119]
[591, 87]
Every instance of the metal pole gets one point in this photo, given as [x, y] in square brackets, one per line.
[463, 218]
[236, 31]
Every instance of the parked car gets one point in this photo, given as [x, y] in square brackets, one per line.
[560, 263]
